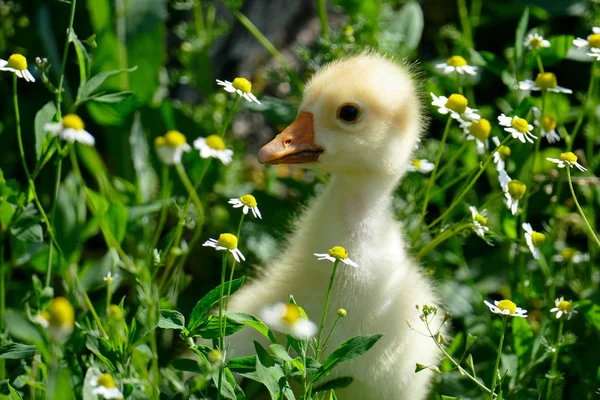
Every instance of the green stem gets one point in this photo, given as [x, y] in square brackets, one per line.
[230, 114]
[498, 356]
[451, 162]
[108, 294]
[331, 332]
[162, 219]
[458, 85]
[469, 186]
[322, 11]
[326, 306]
[553, 369]
[63, 65]
[90, 306]
[431, 180]
[2, 300]
[587, 223]
[239, 231]
[221, 332]
[51, 212]
[588, 96]
[465, 22]
[540, 65]
[198, 18]
[447, 234]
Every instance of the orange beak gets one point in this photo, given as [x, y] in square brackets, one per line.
[295, 145]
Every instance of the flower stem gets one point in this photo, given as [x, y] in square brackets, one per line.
[108, 295]
[587, 223]
[330, 332]
[51, 212]
[465, 22]
[445, 235]
[221, 332]
[582, 115]
[230, 114]
[553, 369]
[539, 63]
[327, 297]
[198, 18]
[494, 379]
[2, 300]
[431, 180]
[63, 65]
[162, 219]
[90, 306]
[322, 11]
[239, 231]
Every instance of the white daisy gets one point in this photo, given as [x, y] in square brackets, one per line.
[595, 53]
[213, 146]
[565, 159]
[563, 307]
[42, 319]
[501, 154]
[513, 191]
[248, 202]
[287, 318]
[170, 148]
[519, 128]
[70, 129]
[569, 254]
[457, 64]
[241, 86]
[479, 221]
[17, 64]
[548, 126]
[421, 165]
[456, 105]
[592, 42]
[478, 131]
[337, 253]
[108, 278]
[105, 386]
[534, 240]
[226, 242]
[61, 319]
[535, 41]
[544, 81]
[506, 308]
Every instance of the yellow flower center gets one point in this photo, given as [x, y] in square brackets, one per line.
[457, 102]
[292, 314]
[242, 84]
[61, 313]
[516, 189]
[338, 252]
[538, 239]
[18, 62]
[228, 241]
[456, 61]
[45, 315]
[215, 142]
[174, 139]
[504, 152]
[73, 121]
[107, 381]
[568, 157]
[160, 141]
[546, 80]
[535, 43]
[565, 306]
[248, 200]
[480, 129]
[548, 123]
[481, 219]
[416, 163]
[115, 312]
[594, 40]
[520, 124]
[568, 254]
[507, 305]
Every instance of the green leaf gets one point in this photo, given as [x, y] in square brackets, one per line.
[7, 211]
[27, 226]
[523, 338]
[347, 351]
[211, 329]
[59, 384]
[493, 63]
[520, 34]
[253, 322]
[269, 375]
[559, 47]
[116, 220]
[82, 57]
[171, 319]
[19, 327]
[17, 351]
[13, 393]
[524, 107]
[204, 306]
[242, 364]
[96, 81]
[401, 32]
[42, 139]
[116, 97]
[147, 181]
[187, 365]
[337, 383]
[470, 340]
[280, 352]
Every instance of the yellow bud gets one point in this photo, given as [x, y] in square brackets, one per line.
[481, 219]
[568, 157]
[107, 381]
[174, 139]
[342, 313]
[565, 306]
[61, 313]
[72, 121]
[160, 141]
[292, 314]
[242, 84]
[480, 129]
[594, 40]
[228, 241]
[546, 80]
[568, 254]
[248, 200]
[416, 163]
[520, 124]
[338, 252]
[507, 305]
[538, 239]
[215, 142]
[548, 123]
[214, 356]
[516, 189]
[504, 152]
[456, 61]
[457, 102]
[17, 62]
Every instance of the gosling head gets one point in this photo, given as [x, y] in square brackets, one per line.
[360, 115]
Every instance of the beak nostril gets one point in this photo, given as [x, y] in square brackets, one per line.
[287, 142]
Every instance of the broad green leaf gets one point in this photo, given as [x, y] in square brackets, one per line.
[520, 34]
[20, 328]
[171, 319]
[252, 322]
[347, 351]
[59, 384]
[559, 47]
[187, 365]
[42, 139]
[269, 375]
[211, 329]
[116, 220]
[13, 393]
[7, 211]
[27, 226]
[82, 57]
[95, 345]
[337, 383]
[522, 339]
[204, 306]
[147, 181]
[470, 340]
[17, 351]
[280, 352]
[242, 364]
[591, 312]
[116, 97]
[96, 81]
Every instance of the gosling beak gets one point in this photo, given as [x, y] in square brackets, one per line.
[295, 145]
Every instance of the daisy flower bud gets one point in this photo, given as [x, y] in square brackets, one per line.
[478, 131]
[70, 129]
[563, 307]
[213, 146]
[506, 308]
[226, 242]
[62, 318]
[457, 64]
[567, 159]
[248, 202]
[337, 253]
[170, 148]
[288, 319]
[421, 165]
[105, 386]
[240, 86]
[518, 127]
[342, 313]
[456, 105]
[17, 64]
[534, 240]
[544, 81]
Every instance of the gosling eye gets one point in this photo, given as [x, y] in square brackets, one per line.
[348, 113]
